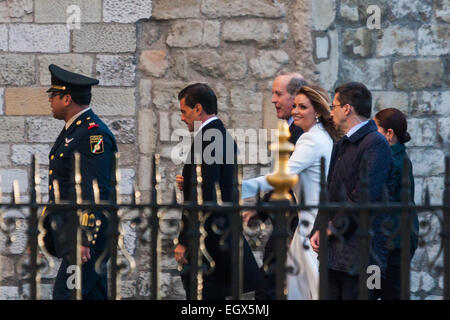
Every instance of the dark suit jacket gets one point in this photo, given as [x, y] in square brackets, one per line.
[220, 171]
[345, 174]
[295, 132]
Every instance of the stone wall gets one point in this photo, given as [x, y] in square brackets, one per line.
[144, 51]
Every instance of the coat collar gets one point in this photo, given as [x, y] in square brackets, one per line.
[363, 131]
[82, 118]
[398, 148]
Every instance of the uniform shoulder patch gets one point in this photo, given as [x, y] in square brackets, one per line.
[96, 143]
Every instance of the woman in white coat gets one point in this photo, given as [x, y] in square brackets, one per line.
[311, 112]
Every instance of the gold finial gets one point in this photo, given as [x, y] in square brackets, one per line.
[281, 180]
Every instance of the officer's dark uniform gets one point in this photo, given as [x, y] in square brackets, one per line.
[89, 136]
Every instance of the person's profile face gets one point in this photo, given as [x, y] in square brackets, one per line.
[188, 115]
[281, 98]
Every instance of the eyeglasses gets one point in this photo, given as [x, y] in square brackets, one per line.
[53, 94]
[333, 106]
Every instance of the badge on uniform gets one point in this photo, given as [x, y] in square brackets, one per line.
[97, 144]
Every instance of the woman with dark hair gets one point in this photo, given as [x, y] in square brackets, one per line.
[392, 125]
[311, 112]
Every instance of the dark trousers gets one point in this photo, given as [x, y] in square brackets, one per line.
[342, 286]
[94, 286]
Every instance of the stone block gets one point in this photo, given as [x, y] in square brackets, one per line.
[412, 10]
[322, 46]
[427, 163]
[27, 101]
[9, 293]
[2, 101]
[123, 129]
[147, 131]
[22, 153]
[4, 155]
[430, 103]
[148, 33]
[17, 70]
[246, 120]
[175, 9]
[422, 131]
[374, 73]
[349, 10]
[358, 42]
[442, 10]
[114, 70]
[144, 173]
[16, 11]
[3, 37]
[145, 93]
[206, 62]
[126, 11]
[389, 99]
[153, 63]
[211, 34]
[165, 94]
[78, 63]
[268, 63]
[433, 40]
[12, 129]
[237, 8]
[436, 188]
[39, 38]
[129, 154]
[234, 65]
[444, 133]
[126, 181]
[112, 38]
[323, 14]
[50, 11]
[113, 101]
[262, 32]
[185, 34]
[8, 177]
[421, 73]
[43, 129]
[246, 99]
[328, 69]
[179, 65]
[396, 40]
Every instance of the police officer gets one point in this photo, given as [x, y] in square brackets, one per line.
[85, 133]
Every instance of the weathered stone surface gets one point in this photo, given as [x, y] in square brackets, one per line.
[211, 34]
[126, 181]
[413, 74]
[431, 103]
[148, 33]
[126, 11]
[129, 154]
[8, 177]
[253, 30]
[22, 153]
[322, 47]
[27, 101]
[246, 99]
[245, 120]
[113, 101]
[49, 11]
[9, 293]
[2, 101]
[206, 62]
[123, 129]
[433, 40]
[427, 163]
[166, 94]
[323, 14]
[3, 37]
[147, 131]
[179, 65]
[153, 63]
[234, 65]
[43, 129]
[444, 132]
[78, 63]
[16, 70]
[358, 42]
[105, 38]
[185, 34]
[423, 132]
[114, 70]
[268, 63]
[436, 187]
[144, 172]
[16, 11]
[12, 129]
[374, 73]
[396, 40]
[412, 10]
[222, 96]
[237, 8]
[349, 10]
[175, 9]
[328, 69]
[145, 93]
[4, 155]
[39, 38]
[442, 10]
[389, 99]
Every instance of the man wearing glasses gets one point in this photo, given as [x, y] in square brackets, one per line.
[69, 97]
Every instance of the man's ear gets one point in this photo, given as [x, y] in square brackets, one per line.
[347, 109]
[67, 99]
[198, 108]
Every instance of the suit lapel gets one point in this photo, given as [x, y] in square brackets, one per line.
[59, 140]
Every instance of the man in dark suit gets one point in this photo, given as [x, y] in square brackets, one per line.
[85, 133]
[361, 143]
[284, 89]
[217, 155]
